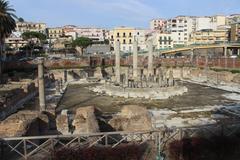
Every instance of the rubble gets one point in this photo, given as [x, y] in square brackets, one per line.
[24, 123]
[85, 120]
[132, 118]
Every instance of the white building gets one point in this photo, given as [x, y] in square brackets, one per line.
[31, 27]
[203, 23]
[96, 34]
[157, 24]
[181, 27]
[15, 41]
[162, 40]
[140, 36]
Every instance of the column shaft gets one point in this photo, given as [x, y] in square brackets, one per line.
[41, 87]
[117, 61]
[135, 59]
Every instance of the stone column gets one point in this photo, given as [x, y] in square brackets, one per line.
[192, 53]
[170, 80]
[41, 86]
[117, 61]
[65, 76]
[225, 56]
[135, 60]
[150, 58]
[127, 77]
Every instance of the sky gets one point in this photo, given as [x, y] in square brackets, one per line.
[113, 13]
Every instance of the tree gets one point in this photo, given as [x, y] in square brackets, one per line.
[7, 25]
[21, 19]
[30, 36]
[82, 42]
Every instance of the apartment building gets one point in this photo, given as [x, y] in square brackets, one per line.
[162, 40]
[96, 34]
[181, 28]
[55, 33]
[125, 36]
[30, 27]
[232, 19]
[157, 24]
[15, 41]
[140, 35]
[235, 32]
[209, 36]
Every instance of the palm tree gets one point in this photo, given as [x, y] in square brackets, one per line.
[7, 25]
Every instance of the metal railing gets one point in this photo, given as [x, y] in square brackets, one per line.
[25, 147]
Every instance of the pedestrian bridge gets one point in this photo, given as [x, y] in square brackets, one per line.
[191, 48]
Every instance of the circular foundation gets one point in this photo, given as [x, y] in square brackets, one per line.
[147, 93]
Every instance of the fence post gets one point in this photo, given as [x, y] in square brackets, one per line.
[25, 149]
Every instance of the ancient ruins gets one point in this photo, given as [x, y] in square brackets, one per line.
[152, 82]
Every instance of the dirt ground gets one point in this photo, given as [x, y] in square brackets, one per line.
[197, 95]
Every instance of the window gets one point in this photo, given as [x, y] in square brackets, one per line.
[165, 40]
[124, 34]
[117, 34]
[130, 48]
[124, 48]
[137, 33]
[130, 34]
[124, 41]
[130, 41]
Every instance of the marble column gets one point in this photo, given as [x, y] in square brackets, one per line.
[117, 61]
[41, 86]
[150, 58]
[127, 77]
[171, 81]
[192, 54]
[65, 76]
[225, 56]
[135, 60]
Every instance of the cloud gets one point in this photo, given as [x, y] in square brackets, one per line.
[136, 10]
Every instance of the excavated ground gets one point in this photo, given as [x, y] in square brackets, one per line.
[197, 95]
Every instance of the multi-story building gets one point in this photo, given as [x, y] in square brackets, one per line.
[55, 33]
[219, 20]
[232, 19]
[140, 35]
[209, 37]
[203, 23]
[15, 41]
[181, 28]
[125, 36]
[162, 40]
[235, 32]
[30, 27]
[96, 34]
[157, 24]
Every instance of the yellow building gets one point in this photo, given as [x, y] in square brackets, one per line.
[30, 27]
[125, 36]
[209, 37]
[55, 33]
[219, 20]
[235, 32]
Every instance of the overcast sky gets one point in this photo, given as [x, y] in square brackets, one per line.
[112, 13]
